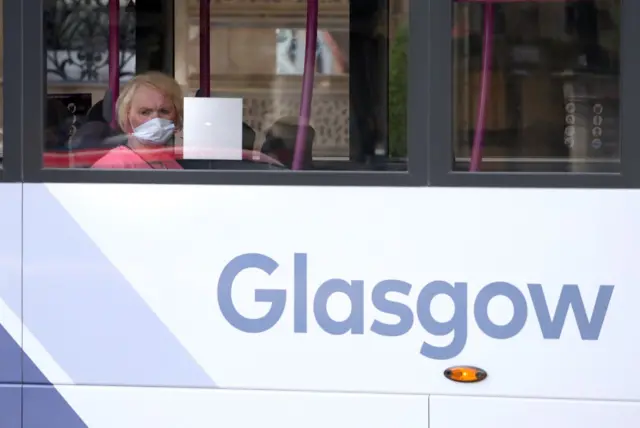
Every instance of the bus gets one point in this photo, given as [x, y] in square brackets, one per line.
[380, 213]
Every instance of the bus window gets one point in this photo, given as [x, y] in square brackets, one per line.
[77, 36]
[536, 86]
[244, 108]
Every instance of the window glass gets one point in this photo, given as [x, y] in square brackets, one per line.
[332, 52]
[246, 108]
[536, 86]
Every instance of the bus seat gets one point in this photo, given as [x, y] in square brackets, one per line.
[93, 134]
[280, 141]
[95, 113]
[58, 119]
[100, 111]
[248, 137]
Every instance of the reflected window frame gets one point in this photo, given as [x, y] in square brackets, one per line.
[440, 22]
[34, 96]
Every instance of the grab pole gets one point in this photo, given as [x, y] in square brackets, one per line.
[205, 48]
[485, 83]
[311, 40]
[114, 55]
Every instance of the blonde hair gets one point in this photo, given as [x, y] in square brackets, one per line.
[161, 82]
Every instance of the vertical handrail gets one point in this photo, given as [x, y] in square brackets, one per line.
[205, 48]
[485, 83]
[311, 40]
[114, 55]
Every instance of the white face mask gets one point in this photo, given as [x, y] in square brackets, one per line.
[155, 131]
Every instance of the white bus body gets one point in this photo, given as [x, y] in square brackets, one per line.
[239, 306]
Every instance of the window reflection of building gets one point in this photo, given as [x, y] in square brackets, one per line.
[77, 40]
[247, 61]
[349, 114]
[330, 59]
[553, 63]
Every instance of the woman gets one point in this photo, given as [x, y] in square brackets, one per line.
[149, 111]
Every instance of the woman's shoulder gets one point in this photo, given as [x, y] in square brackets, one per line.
[119, 157]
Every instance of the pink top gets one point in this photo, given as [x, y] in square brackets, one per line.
[125, 158]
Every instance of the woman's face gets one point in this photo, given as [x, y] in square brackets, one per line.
[147, 104]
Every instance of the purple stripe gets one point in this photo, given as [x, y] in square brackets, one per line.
[23, 406]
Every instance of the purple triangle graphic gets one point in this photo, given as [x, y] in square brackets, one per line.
[32, 407]
[85, 312]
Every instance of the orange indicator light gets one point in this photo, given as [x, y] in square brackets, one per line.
[465, 374]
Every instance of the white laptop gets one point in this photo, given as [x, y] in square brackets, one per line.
[212, 128]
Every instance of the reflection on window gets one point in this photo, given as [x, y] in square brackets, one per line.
[332, 54]
[536, 86]
[77, 40]
[76, 36]
[357, 117]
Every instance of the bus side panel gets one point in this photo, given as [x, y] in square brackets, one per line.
[109, 407]
[472, 412]
[287, 288]
[10, 282]
[91, 324]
